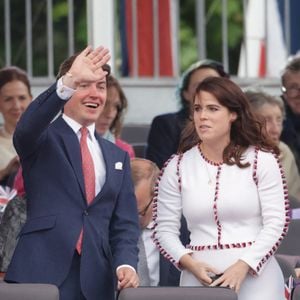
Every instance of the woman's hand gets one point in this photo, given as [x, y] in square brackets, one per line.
[233, 276]
[200, 269]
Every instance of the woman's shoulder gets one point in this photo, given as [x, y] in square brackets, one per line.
[258, 157]
[187, 157]
[266, 160]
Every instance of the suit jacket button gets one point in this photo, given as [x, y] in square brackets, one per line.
[85, 212]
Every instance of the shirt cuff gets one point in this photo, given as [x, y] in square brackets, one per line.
[128, 266]
[63, 92]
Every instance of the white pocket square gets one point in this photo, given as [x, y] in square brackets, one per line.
[118, 166]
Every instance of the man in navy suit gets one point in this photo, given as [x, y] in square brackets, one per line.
[57, 209]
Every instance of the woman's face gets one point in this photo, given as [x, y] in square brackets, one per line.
[274, 119]
[14, 99]
[197, 77]
[212, 120]
[110, 111]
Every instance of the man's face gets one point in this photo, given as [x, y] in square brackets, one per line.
[291, 83]
[87, 103]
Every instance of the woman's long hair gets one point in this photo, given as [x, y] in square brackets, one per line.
[117, 124]
[246, 130]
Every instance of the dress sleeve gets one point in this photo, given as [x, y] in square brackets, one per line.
[167, 212]
[273, 197]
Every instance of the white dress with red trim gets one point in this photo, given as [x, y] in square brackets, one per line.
[232, 214]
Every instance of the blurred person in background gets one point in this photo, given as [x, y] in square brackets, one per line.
[290, 81]
[271, 110]
[144, 175]
[109, 124]
[15, 96]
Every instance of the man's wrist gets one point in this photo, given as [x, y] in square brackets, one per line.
[127, 266]
[68, 81]
[64, 92]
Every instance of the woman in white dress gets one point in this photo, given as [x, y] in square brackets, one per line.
[227, 182]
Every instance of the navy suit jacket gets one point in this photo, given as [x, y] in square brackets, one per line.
[57, 209]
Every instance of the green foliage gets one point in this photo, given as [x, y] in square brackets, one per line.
[188, 50]
[39, 33]
[213, 15]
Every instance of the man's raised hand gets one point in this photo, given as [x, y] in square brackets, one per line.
[87, 67]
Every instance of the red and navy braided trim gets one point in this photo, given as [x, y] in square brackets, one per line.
[219, 246]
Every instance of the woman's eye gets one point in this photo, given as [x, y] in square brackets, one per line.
[213, 109]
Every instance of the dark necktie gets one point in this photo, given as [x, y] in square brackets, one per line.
[88, 175]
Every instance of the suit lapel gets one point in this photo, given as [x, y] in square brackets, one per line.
[71, 144]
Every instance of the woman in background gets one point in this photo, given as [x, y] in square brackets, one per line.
[109, 125]
[271, 109]
[15, 96]
[228, 184]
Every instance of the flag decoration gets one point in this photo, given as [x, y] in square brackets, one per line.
[147, 39]
[6, 194]
[264, 52]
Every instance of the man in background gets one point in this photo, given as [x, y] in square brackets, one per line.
[290, 81]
